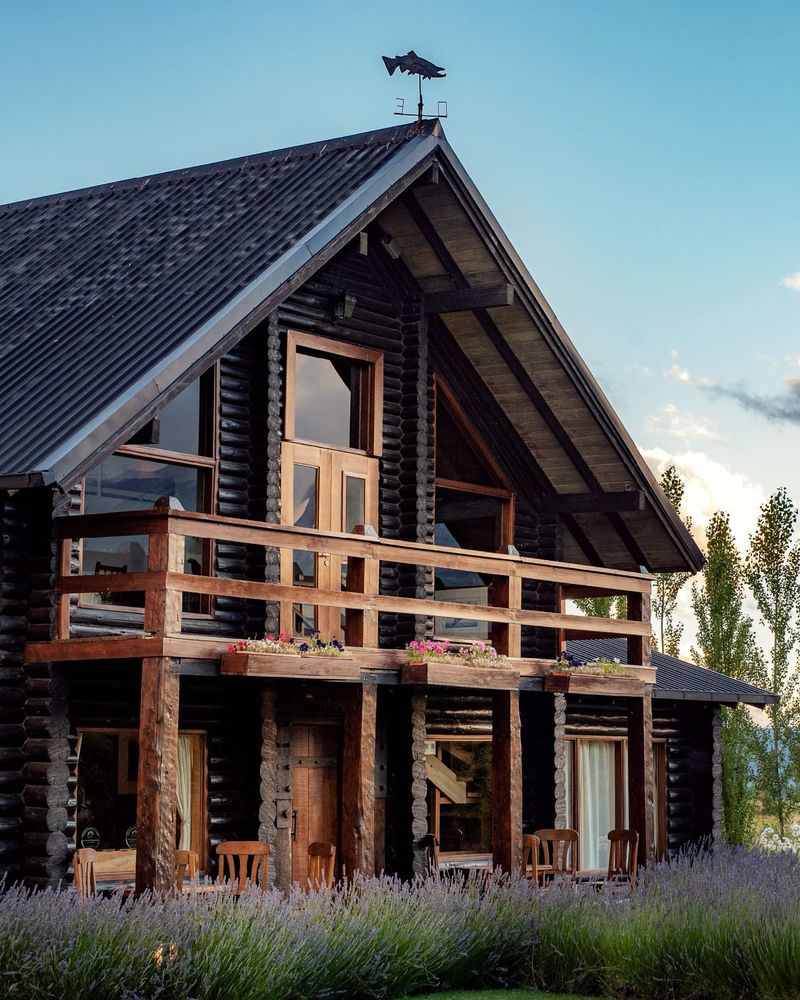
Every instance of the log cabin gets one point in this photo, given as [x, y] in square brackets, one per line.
[316, 390]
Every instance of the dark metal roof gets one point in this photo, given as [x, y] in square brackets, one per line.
[676, 679]
[99, 288]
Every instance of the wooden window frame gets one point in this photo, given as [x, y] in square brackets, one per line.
[371, 415]
[199, 787]
[503, 491]
[209, 410]
[620, 790]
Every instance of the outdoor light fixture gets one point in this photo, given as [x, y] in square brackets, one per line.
[391, 246]
[345, 306]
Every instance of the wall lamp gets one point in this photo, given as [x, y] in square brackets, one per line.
[391, 246]
[345, 306]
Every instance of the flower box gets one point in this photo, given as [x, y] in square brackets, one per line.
[291, 665]
[584, 682]
[558, 681]
[455, 673]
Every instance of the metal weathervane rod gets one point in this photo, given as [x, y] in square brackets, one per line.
[414, 65]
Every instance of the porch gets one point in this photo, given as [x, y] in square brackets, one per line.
[352, 689]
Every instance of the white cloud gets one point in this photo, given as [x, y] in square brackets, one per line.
[711, 486]
[684, 426]
[640, 370]
[678, 373]
[792, 281]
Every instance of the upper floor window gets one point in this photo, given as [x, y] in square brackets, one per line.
[172, 455]
[334, 393]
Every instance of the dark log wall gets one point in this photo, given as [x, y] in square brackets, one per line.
[229, 713]
[687, 729]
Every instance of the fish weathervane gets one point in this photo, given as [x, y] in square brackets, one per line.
[415, 65]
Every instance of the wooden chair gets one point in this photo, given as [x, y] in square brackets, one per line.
[623, 851]
[85, 880]
[241, 859]
[530, 856]
[185, 864]
[321, 861]
[430, 844]
[559, 853]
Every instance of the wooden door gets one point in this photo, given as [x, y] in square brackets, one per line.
[315, 792]
[333, 491]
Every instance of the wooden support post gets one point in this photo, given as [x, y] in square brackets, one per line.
[156, 790]
[641, 774]
[506, 782]
[361, 627]
[639, 645]
[283, 799]
[506, 592]
[165, 554]
[358, 782]
[419, 781]
[63, 600]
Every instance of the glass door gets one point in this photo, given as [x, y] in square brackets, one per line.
[330, 490]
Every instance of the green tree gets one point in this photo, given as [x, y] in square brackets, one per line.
[772, 571]
[725, 642]
[603, 607]
[668, 586]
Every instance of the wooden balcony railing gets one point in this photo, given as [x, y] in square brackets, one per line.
[164, 583]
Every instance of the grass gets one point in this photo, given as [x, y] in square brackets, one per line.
[501, 995]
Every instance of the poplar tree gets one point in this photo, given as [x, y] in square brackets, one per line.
[667, 586]
[726, 642]
[772, 571]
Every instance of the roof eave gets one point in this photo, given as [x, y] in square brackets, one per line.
[593, 395]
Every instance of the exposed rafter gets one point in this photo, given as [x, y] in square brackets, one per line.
[594, 503]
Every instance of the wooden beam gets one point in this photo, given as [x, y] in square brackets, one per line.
[506, 781]
[445, 780]
[641, 774]
[358, 781]
[156, 789]
[593, 503]
[463, 300]
[639, 645]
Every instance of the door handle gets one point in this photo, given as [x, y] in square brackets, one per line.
[294, 824]
[324, 556]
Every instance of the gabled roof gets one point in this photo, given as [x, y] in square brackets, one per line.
[113, 298]
[678, 680]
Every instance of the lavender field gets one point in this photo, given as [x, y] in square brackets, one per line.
[726, 926]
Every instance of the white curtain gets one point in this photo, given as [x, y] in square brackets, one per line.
[596, 801]
[185, 791]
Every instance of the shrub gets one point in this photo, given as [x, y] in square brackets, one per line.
[724, 926]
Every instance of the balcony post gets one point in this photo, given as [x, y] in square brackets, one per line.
[639, 645]
[506, 782]
[361, 626]
[165, 554]
[641, 774]
[506, 592]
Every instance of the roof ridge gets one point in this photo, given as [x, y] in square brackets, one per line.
[391, 134]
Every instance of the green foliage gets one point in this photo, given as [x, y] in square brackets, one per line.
[725, 642]
[772, 571]
[668, 586]
[603, 607]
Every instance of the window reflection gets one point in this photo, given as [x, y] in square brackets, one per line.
[123, 482]
[460, 787]
[304, 564]
[330, 400]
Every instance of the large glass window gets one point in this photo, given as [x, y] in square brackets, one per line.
[334, 393]
[460, 794]
[137, 475]
[108, 763]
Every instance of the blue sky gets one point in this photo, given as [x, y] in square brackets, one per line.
[642, 157]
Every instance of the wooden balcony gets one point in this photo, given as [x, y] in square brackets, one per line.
[164, 634]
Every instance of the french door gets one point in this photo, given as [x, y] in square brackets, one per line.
[333, 491]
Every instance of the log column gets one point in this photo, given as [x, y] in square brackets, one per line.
[358, 783]
[506, 782]
[156, 805]
[419, 780]
[641, 774]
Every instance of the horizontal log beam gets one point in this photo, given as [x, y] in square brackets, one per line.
[592, 503]
[462, 300]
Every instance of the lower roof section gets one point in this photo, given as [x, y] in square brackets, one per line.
[677, 679]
